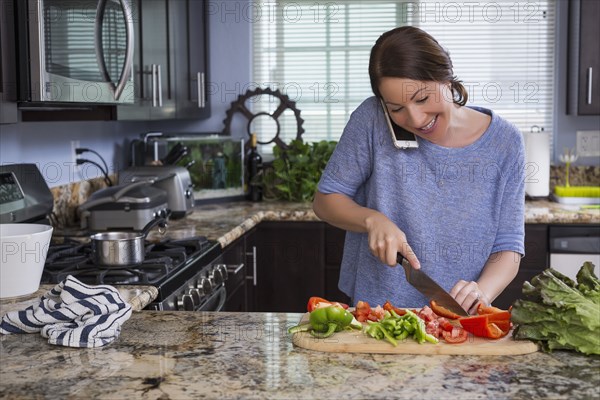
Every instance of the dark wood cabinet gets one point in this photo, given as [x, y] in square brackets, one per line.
[584, 57]
[191, 59]
[170, 67]
[288, 262]
[8, 77]
[153, 62]
[334, 250]
[533, 263]
[289, 265]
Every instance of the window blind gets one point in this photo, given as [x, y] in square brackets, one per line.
[317, 54]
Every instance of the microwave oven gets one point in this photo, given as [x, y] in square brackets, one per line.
[73, 51]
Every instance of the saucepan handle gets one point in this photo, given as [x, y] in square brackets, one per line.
[162, 226]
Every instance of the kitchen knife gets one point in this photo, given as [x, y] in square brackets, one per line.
[427, 286]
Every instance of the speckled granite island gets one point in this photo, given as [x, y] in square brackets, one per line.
[183, 355]
[186, 355]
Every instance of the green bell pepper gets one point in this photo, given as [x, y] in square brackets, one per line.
[324, 322]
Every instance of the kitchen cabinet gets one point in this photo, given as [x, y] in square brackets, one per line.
[584, 57]
[153, 63]
[289, 265]
[8, 77]
[191, 59]
[534, 262]
[169, 70]
[334, 250]
[288, 262]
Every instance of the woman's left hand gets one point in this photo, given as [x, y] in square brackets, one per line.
[469, 295]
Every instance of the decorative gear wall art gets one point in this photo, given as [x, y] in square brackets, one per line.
[239, 106]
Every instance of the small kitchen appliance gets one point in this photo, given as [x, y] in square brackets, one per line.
[124, 207]
[100, 32]
[189, 273]
[174, 180]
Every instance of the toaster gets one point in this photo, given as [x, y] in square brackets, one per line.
[174, 180]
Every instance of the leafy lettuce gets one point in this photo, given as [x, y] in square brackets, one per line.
[560, 313]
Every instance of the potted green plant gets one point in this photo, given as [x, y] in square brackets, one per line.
[295, 171]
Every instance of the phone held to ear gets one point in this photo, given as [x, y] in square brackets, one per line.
[402, 138]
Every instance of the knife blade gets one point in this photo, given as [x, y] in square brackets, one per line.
[427, 286]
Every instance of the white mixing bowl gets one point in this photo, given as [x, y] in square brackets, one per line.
[23, 253]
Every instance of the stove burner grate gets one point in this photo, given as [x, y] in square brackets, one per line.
[161, 260]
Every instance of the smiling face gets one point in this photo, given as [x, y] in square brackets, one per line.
[421, 107]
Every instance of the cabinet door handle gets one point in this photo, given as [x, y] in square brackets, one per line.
[201, 90]
[254, 269]
[589, 88]
[153, 85]
[159, 80]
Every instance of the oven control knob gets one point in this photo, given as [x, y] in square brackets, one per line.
[185, 303]
[215, 277]
[204, 286]
[222, 268]
[196, 295]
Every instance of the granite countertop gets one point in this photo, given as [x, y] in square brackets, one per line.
[226, 222]
[181, 355]
[138, 296]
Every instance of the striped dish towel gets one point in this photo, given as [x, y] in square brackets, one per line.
[73, 314]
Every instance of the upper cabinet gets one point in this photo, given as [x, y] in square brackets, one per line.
[8, 77]
[191, 67]
[584, 57]
[170, 61]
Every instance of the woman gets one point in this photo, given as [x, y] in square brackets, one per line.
[454, 206]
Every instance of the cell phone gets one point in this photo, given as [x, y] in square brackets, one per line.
[402, 138]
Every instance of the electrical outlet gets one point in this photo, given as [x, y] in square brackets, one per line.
[74, 145]
[588, 143]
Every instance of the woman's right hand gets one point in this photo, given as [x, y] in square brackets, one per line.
[386, 240]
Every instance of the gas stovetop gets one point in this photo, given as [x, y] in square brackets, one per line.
[167, 264]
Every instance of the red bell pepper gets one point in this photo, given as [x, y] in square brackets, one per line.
[314, 302]
[389, 307]
[441, 311]
[492, 323]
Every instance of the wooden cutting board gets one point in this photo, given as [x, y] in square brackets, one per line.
[357, 342]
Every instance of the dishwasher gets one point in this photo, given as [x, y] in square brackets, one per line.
[572, 245]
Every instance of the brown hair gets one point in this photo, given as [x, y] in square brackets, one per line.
[411, 53]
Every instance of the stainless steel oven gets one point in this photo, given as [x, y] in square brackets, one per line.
[73, 51]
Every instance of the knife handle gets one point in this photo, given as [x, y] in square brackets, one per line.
[400, 258]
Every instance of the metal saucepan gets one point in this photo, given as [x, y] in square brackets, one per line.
[118, 249]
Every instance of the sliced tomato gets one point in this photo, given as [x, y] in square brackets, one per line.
[426, 314]
[441, 311]
[362, 311]
[445, 324]
[456, 335]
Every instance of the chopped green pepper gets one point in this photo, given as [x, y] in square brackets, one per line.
[325, 321]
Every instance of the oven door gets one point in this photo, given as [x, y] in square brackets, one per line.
[215, 302]
[78, 51]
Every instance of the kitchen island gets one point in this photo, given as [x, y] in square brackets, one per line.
[228, 221]
[181, 355]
